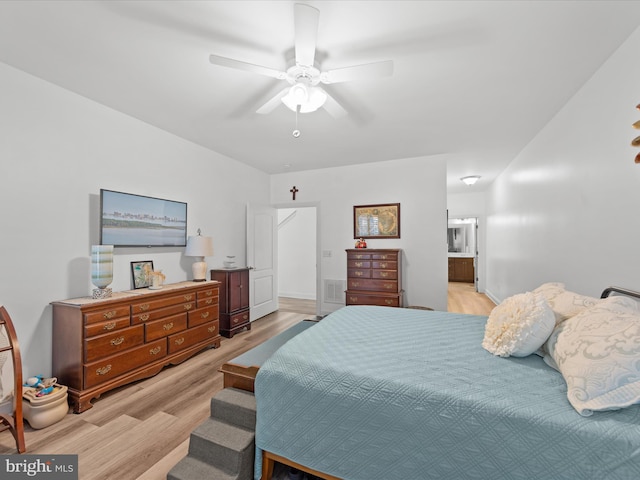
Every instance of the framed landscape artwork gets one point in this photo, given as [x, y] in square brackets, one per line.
[376, 221]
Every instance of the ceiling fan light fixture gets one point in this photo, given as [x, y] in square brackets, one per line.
[471, 179]
[309, 98]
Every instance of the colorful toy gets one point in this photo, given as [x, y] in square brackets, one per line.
[43, 386]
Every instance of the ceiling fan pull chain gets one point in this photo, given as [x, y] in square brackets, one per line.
[296, 132]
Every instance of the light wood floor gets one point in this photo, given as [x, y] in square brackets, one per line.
[141, 431]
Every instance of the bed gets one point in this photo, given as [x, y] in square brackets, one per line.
[352, 398]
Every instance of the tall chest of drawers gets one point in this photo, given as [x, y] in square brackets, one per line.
[374, 277]
[234, 300]
[102, 344]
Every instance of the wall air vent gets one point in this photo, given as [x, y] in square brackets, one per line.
[334, 291]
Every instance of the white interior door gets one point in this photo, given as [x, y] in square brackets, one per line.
[262, 259]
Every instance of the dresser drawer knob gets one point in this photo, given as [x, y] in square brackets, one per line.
[245, 317]
[355, 284]
[383, 265]
[188, 306]
[235, 320]
[359, 264]
[353, 299]
[188, 297]
[103, 370]
[388, 302]
[144, 317]
[144, 307]
[204, 315]
[117, 341]
[155, 351]
[109, 315]
[209, 301]
[179, 341]
[109, 326]
[389, 286]
[211, 329]
[358, 274]
[168, 326]
[208, 293]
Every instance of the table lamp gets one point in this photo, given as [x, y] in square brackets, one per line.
[199, 246]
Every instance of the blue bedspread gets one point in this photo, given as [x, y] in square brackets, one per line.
[387, 393]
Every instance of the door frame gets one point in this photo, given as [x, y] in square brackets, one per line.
[296, 204]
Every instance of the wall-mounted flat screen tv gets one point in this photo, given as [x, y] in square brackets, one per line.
[129, 220]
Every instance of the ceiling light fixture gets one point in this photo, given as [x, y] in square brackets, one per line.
[308, 98]
[471, 179]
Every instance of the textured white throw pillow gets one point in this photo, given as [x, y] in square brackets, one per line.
[565, 304]
[598, 354]
[518, 326]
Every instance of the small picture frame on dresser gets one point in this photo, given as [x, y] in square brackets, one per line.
[141, 273]
[376, 221]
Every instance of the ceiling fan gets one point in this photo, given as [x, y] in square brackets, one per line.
[303, 93]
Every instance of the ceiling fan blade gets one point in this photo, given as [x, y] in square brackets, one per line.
[306, 33]
[249, 67]
[333, 107]
[358, 72]
[273, 102]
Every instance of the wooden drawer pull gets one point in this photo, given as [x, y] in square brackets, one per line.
[188, 297]
[117, 341]
[179, 341]
[188, 306]
[204, 315]
[155, 351]
[168, 326]
[144, 307]
[109, 315]
[211, 329]
[103, 370]
[144, 317]
[109, 326]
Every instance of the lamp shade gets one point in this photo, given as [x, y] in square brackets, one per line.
[199, 246]
[309, 98]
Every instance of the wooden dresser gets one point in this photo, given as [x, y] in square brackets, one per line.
[374, 277]
[234, 299]
[102, 344]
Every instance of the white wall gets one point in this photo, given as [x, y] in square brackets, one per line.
[567, 207]
[297, 253]
[57, 150]
[419, 184]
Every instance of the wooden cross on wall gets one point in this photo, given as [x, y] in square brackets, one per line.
[294, 190]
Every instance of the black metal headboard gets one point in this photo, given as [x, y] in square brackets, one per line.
[609, 290]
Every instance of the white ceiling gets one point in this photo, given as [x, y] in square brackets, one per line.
[473, 81]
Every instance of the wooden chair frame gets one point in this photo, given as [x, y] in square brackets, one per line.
[14, 422]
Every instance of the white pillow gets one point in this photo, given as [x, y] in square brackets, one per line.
[598, 354]
[565, 304]
[518, 326]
